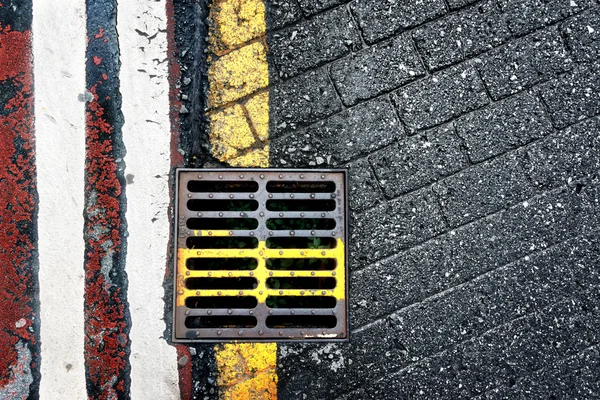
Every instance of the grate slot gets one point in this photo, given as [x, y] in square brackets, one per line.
[261, 255]
[300, 187]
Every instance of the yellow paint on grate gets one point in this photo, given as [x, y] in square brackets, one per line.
[239, 121]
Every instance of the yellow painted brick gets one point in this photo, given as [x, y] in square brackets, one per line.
[258, 110]
[235, 22]
[255, 158]
[229, 132]
[237, 74]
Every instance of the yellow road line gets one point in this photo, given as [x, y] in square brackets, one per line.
[238, 76]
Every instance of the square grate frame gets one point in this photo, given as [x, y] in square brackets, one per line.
[262, 331]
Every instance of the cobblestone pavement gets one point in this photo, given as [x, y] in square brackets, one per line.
[471, 132]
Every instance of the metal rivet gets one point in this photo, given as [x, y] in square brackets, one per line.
[322, 215]
[210, 195]
[199, 176]
[302, 292]
[292, 195]
[312, 232]
[189, 195]
[301, 253]
[301, 176]
[260, 332]
[187, 272]
[252, 273]
[312, 195]
[313, 273]
[323, 253]
[333, 273]
[271, 273]
[280, 253]
[251, 312]
[323, 292]
[219, 293]
[209, 312]
[313, 312]
[262, 214]
[261, 292]
[271, 233]
[209, 233]
[262, 176]
[333, 311]
[198, 252]
[270, 195]
[281, 292]
[240, 333]
[210, 273]
[280, 333]
[241, 292]
[333, 195]
[220, 176]
[230, 233]
[220, 214]
[180, 292]
[199, 214]
[324, 333]
[218, 332]
[231, 273]
[292, 273]
[302, 215]
[197, 333]
[270, 311]
[198, 293]
[302, 333]
[231, 196]
[292, 312]
[292, 233]
[280, 176]
[281, 214]
[229, 311]
[187, 312]
[251, 233]
[241, 176]
[251, 196]
[322, 176]
[332, 233]
[189, 232]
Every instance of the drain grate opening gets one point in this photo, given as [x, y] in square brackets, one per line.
[213, 302]
[301, 302]
[218, 321]
[300, 187]
[221, 283]
[261, 255]
[221, 242]
[301, 321]
[222, 205]
[222, 186]
[301, 264]
[221, 264]
[222, 223]
[299, 242]
[301, 283]
[305, 224]
[300, 205]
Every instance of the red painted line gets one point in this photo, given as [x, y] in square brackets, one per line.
[185, 371]
[18, 199]
[107, 345]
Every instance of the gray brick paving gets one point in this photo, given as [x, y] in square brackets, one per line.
[524, 62]
[380, 68]
[475, 193]
[279, 13]
[440, 97]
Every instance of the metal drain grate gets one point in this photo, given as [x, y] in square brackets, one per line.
[261, 255]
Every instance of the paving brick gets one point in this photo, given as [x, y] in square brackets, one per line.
[454, 4]
[573, 97]
[418, 160]
[464, 34]
[395, 225]
[440, 97]
[524, 16]
[572, 156]
[378, 69]
[340, 138]
[364, 191]
[503, 126]
[312, 43]
[524, 62]
[279, 13]
[301, 101]
[484, 189]
[582, 35]
[310, 7]
[379, 19]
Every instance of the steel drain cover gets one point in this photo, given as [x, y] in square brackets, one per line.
[261, 255]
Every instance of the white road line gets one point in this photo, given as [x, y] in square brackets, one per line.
[59, 41]
[146, 133]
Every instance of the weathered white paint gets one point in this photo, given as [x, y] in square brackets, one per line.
[59, 42]
[146, 133]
